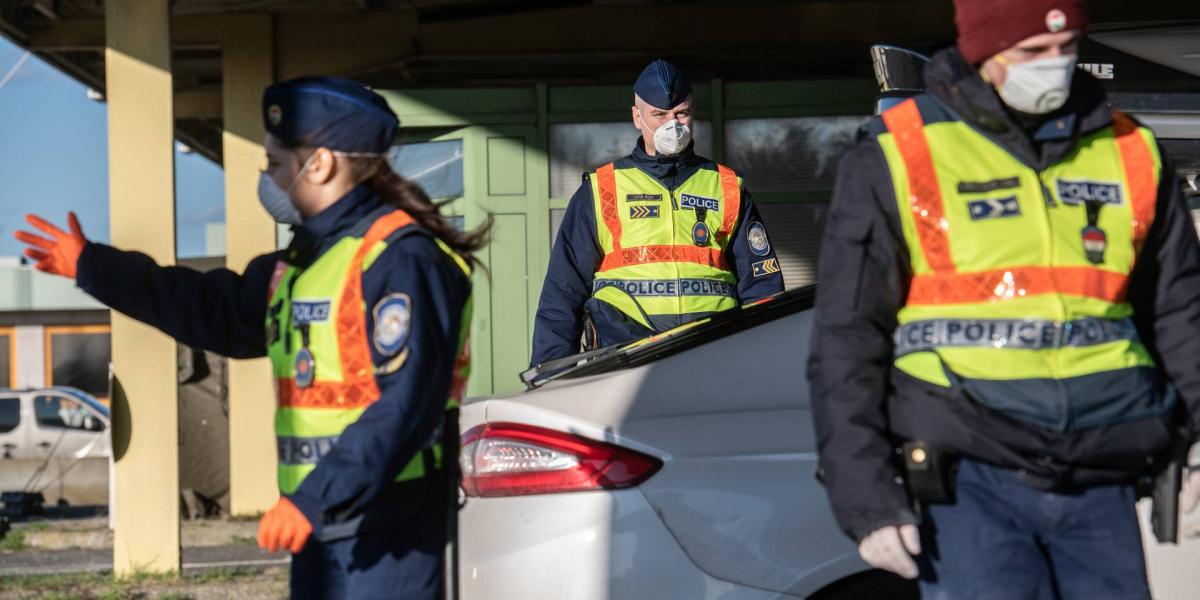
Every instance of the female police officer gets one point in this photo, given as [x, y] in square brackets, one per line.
[365, 318]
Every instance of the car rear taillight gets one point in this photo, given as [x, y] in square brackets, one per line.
[511, 459]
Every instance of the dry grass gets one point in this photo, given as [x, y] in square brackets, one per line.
[209, 585]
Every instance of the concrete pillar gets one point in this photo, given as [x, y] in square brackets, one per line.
[141, 174]
[30, 358]
[247, 67]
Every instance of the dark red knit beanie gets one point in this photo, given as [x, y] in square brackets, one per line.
[988, 27]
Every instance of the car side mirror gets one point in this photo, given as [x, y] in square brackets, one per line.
[899, 72]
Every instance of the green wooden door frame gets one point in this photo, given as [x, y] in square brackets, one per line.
[506, 173]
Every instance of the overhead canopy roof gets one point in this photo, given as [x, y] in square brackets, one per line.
[411, 43]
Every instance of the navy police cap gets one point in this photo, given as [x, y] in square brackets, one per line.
[337, 114]
[662, 85]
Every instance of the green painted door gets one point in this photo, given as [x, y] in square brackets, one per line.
[507, 179]
[502, 174]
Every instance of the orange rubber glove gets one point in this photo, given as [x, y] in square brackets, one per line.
[284, 526]
[59, 254]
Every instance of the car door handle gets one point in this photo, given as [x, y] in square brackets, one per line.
[8, 448]
[43, 445]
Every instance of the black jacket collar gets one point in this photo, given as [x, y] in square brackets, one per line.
[1035, 142]
[670, 171]
[321, 231]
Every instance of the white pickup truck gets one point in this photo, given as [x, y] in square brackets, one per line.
[55, 441]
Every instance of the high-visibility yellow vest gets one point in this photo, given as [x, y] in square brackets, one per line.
[320, 351]
[665, 250]
[1020, 276]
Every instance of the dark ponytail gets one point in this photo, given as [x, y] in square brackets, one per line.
[408, 196]
[411, 198]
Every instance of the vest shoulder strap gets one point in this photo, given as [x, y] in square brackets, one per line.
[606, 186]
[1141, 174]
[732, 193]
[905, 123]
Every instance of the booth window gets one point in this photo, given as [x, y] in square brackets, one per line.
[579, 147]
[790, 164]
[436, 166]
[795, 154]
[78, 356]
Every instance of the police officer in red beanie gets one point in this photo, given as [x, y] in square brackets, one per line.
[1006, 336]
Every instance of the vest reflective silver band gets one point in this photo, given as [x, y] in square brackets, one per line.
[1023, 334]
[669, 287]
[304, 450]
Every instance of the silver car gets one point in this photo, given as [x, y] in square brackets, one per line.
[55, 441]
[681, 466]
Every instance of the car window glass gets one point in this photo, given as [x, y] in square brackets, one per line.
[64, 413]
[10, 414]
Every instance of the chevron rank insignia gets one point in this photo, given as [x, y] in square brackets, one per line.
[643, 212]
[763, 268]
[994, 208]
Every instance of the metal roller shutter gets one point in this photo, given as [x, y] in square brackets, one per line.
[795, 230]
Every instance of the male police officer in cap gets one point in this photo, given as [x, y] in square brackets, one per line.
[1010, 299]
[654, 240]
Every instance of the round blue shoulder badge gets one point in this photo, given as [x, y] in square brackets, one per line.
[756, 235]
[393, 315]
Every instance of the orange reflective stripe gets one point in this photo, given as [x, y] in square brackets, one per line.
[1139, 174]
[326, 394]
[732, 193]
[357, 387]
[1005, 284]
[712, 257]
[606, 182]
[925, 197]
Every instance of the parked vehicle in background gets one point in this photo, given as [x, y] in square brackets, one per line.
[55, 441]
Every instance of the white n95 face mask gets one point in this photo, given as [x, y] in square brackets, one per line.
[672, 137]
[276, 201]
[1038, 86]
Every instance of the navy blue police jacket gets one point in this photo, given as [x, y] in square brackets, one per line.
[863, 408]
[576, 255]
[351, 489]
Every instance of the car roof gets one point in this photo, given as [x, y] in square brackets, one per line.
[76, 393]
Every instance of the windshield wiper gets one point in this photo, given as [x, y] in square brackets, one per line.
[681, 338]
[543, 372]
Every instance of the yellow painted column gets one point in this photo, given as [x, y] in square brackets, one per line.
[141, 174]
[247, 68]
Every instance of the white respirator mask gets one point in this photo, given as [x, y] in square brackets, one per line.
[1039, 86]
[672, 137]
[277, 201]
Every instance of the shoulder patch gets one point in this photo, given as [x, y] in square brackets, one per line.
[393, 317]
[756, 235]
[763, 268]
[642, 211]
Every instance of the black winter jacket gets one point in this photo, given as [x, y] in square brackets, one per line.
[863, 407]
